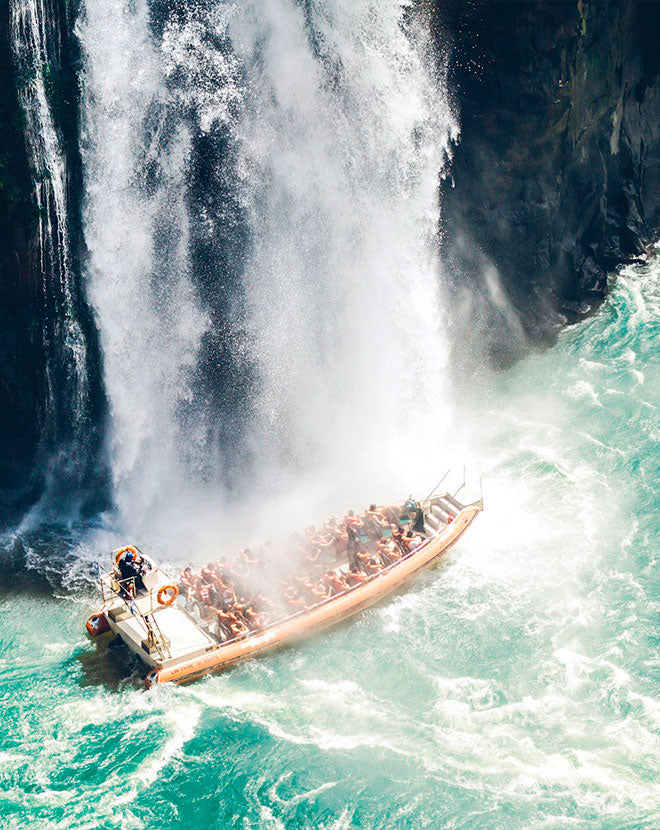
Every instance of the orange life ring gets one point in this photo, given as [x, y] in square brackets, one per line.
[122, 551]
[170, 599]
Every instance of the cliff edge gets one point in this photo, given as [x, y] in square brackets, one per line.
[555, 181]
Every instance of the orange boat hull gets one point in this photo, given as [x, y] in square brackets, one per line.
[327, 613]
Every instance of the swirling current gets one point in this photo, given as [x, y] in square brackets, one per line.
[515, 686]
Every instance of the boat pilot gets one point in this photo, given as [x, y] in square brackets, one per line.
[131, 567]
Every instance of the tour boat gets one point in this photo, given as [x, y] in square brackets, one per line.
[177, 646]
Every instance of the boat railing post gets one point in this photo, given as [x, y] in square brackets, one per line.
[437, 486]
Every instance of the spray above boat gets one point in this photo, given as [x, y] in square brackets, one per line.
[203, 622]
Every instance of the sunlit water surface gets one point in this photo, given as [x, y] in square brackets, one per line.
[514, 686]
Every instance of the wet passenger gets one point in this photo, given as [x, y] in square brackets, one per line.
[352, 547]
[355, 577]
[336, 584]
[185, 582]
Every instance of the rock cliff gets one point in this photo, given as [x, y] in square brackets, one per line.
[51, 391]
[555, 181]
[556, 178]
[22, 377]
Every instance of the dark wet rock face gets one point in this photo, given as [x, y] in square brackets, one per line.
[22, 375]
[51, 428]
[554, 183]
[555, 180]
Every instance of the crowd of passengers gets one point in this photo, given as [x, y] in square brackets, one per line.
[325, 561]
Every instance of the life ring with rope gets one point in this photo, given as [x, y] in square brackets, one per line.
[172, 592]
[151, 679]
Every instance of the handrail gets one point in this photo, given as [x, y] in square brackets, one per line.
[435, 489]
[138, 614]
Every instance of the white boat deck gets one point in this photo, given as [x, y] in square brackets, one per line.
[186, 639]
[178, 635]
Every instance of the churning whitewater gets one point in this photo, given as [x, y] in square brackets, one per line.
[334, 126]
[513, 688]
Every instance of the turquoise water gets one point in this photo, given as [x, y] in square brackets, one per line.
[514, 686]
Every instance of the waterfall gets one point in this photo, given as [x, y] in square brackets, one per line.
[36, 48]
[314, 134]
[344, 137]
[136, 229]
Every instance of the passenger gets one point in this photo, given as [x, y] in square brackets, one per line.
[293, 599]
[355, 577]
[352, 547]
[254, 620]
[398, 539]
[368, 564]
[417, 542]
[373, 527]
[208, 576]
[341, 543]
[335, 582]
[227, 598]
[238, 611]
[231, 625]
[216, 594]
[223, 621]
[418, 521]
[221, 569]
[185, 582]
[263, 603]
[309, 589]
[376, 513]
[412, 540]
[393, 550]
[202, 596]
[351, 519]
[385, 553]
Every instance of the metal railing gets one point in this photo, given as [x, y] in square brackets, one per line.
[126, 592]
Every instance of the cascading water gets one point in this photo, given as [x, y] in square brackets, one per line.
[337, 124]
[36, 47]
[136, 229]
[343, 138]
